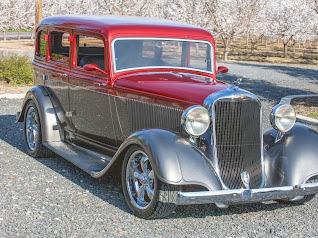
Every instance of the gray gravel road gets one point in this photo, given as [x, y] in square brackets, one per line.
[52, 198]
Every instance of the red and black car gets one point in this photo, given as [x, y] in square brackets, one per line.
[142, 95]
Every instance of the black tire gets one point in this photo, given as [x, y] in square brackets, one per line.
[306, 198]
[39, 151]
[162, 203]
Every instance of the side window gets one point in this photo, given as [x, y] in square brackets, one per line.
[42, 42]
[90, 50]
[60, 46]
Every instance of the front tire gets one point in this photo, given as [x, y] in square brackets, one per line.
[306, 198]
[145, 195]
[33, 132]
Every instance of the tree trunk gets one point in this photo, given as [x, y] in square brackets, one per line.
[4, 36]
[226, 53]
[266, 43]
[226, 44]
[285, 49]
[19, 37]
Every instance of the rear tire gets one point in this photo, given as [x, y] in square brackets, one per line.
[33, 132]
[156, 199]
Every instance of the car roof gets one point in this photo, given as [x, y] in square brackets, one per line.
[123, 25]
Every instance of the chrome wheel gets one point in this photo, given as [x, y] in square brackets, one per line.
[140, 180]
[32, 128]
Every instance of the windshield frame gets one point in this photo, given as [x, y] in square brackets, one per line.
[162, 67]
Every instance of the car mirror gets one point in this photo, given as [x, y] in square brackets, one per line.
[222, 70]
[93, 67]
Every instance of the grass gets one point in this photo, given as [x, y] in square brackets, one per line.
[16, 70]
[313, 115]
[19, 30]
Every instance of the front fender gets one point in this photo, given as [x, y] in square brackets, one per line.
[293, 159]
[175, 160]
[41, 97]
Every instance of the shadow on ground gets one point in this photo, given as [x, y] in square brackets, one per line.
[264, 89]
[108, 188]
[296, 72]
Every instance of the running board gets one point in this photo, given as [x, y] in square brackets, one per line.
[87, 160]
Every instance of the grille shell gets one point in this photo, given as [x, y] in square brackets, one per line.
[237, 140]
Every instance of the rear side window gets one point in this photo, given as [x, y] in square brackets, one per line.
[90, 50]
[42, 42]
[60, 46]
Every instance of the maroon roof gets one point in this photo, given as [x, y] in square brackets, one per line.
[114, 25]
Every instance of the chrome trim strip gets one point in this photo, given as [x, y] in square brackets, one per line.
[246, 195]
[161, 67]
[233, 92]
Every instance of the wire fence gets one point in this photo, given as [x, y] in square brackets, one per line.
[4, 36]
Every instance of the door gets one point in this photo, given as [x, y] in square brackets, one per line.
[89, 92]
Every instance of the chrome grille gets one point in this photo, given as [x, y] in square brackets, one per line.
[237, 133]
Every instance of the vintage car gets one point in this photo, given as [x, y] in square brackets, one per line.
[142, 95]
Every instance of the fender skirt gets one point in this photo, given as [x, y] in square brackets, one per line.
[293, 159]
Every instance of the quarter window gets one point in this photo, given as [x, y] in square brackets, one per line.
[90, 50]
[42, 43]
[60, 46]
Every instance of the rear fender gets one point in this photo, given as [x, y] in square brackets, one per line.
[49, 123]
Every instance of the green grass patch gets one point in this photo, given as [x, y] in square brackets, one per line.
[16, 70]
[19, 30]
[313, 115]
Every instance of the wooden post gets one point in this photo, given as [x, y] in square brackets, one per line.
[38, 12]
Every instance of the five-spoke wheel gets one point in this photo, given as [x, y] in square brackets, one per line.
[32, 128]
[145, 195]
[32, 132]
[140, 179]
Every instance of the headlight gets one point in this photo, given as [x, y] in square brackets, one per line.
[195, 120]
[283, 117]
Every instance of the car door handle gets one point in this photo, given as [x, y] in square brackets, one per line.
[45, 77]
[101, 84]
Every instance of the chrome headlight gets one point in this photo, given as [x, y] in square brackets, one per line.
[283, 117]
[195, 120]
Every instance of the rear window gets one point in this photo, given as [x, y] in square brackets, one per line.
[60, 46]
[42, 42]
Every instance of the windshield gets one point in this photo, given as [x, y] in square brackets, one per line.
[162, 53]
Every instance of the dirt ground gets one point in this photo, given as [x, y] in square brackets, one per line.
[306, 106]
[17, 44]
[6, 88]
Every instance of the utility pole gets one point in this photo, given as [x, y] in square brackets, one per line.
[38, 12]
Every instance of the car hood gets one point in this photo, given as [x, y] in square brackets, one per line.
[189, 88]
